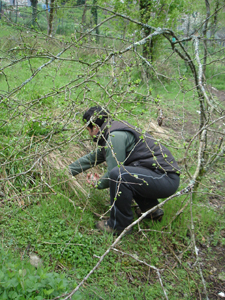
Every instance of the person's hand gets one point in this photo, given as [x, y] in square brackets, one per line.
[92, 179]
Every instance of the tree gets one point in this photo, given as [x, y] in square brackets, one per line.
[145, 13]
[94, 12]
[34, 11]
[158, 14]
[58, 79]
[51, 15]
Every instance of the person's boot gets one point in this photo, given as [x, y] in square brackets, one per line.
[155, 216]
[104, 226]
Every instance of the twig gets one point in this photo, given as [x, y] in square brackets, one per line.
[180, 262]
[74, 244]
[200, 74]
[177, 214]
[196, 249]
[152, 230]
[183, 191]
[143, 262]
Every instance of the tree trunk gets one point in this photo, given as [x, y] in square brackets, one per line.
[94, 12]
[215, 19]
[16, 11]
[145, 13]
[0, 9]
[47, 13]
[204, 32]
[51, 15]
[34, 11]
[83, 21]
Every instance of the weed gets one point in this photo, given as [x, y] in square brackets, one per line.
[44, 213]
[20, 280]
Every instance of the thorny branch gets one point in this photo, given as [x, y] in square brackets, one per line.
[195, 248]
[200, 76]
[88, 77]
[182, 192]
[143, 262]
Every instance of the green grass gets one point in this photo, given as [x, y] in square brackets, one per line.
[49, 228]
[20, 280]
[42, 213]
[216, 77]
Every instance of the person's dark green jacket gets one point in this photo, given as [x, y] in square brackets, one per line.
[121, 142]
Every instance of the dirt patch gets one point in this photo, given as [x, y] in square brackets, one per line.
[219, 94]
[184, 127]
[213, 265]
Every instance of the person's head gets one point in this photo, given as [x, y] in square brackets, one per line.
[95, 117]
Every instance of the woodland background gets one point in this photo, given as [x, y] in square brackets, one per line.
[142, 60]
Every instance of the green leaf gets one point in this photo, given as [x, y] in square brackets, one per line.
[4, 296]
[22, 273]
[48, 292]
[12, 295]
[1, 275]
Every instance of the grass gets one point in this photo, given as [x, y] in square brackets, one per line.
[64, 235]
[44, 213]
[21, 280]
[49, 228]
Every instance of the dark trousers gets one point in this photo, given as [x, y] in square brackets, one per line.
[143, 185]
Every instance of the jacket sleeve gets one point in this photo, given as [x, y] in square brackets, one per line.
[118, 143]
[86, 162]
[116, 147]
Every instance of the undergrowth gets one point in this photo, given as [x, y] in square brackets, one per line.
[46, 212]
[63, 234]
[20, 280]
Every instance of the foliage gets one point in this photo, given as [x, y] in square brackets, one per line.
[46, 84]
[20, 280]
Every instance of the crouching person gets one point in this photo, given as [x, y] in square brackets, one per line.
[138, 167]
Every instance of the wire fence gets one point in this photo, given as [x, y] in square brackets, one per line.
[66, 19]
[80, 18]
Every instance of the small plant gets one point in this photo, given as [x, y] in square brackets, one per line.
[20, 280]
